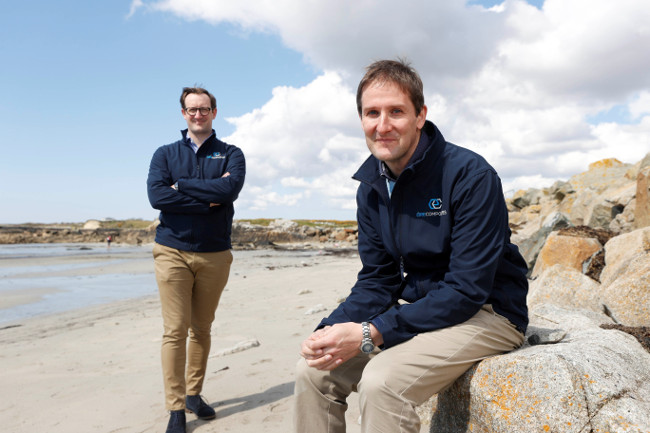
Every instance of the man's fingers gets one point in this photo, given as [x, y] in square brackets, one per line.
[310, 350]
[320, 363]
[325, 363]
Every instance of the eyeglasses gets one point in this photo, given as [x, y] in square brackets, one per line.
[203, 110]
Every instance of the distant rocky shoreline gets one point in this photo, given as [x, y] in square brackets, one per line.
[280, 233]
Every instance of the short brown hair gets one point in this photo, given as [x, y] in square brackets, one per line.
[398, 72]
[198, 91]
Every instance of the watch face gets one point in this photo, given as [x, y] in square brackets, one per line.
[367, 347]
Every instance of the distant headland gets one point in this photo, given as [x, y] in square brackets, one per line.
[246, 234]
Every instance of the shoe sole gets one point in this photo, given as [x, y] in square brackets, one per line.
[201, 417]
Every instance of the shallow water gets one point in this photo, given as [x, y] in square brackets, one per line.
[38, 279]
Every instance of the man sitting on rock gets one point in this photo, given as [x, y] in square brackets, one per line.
[441, 285]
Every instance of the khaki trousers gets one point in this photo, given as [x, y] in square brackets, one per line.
[392, 382]
[190, 285]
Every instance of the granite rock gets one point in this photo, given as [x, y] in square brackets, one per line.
[591, 380]
[569, 251]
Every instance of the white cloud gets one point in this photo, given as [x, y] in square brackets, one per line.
[514, 83]
[344, 35]
[625, 142]
[591, 49]
[640, 106]
[135, 5]
[262, 198]
[526, 182]
[306, 139]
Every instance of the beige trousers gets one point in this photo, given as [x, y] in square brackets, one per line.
[392, 382]
[190, 285]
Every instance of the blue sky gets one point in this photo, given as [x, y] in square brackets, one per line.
[90, 90]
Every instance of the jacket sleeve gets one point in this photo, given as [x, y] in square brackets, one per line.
[378, 283]
[478, 236]
[220, 190]
[162, 196]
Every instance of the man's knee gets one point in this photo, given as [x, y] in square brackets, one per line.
[376, 379]
[301, 367]
[306, 374]
[200, 331]
[311, 379]
[177, 329]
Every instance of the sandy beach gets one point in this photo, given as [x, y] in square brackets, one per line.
[97, 369]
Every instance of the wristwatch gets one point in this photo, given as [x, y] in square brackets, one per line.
[367, 346]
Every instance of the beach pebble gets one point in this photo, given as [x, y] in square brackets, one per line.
[317, 309]
[239, 347]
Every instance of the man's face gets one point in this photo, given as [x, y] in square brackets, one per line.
[391, 126]
[198, 124]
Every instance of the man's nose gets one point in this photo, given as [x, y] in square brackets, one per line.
[384, 124]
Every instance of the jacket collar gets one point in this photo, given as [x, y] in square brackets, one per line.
[208, 141]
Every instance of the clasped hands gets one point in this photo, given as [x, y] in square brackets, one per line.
[331, 346]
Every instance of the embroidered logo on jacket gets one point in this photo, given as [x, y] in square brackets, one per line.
[216, 155]
[435, 204]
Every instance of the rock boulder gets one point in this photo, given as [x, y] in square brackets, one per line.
[569, 251]
[592, 380]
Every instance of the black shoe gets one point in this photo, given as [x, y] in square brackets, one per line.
[198, 406]
[176, 422]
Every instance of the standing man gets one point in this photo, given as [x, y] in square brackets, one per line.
[193, 182]
[441, 285]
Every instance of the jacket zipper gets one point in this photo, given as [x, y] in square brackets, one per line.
[398, 244]
[395, 228]
[397, 238]
[198, 171]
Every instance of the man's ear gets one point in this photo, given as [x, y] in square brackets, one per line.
[422, 117]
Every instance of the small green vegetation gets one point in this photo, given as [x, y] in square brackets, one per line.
[258, 221]
[326, 223]
[126, 224]
[265, 222]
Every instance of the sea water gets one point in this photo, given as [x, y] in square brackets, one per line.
[45, 283]
[53, 278]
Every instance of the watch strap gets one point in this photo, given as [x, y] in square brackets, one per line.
[367, 346]
[365, 326]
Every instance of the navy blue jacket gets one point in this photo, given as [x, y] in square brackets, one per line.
[440, 242]
[187, 221]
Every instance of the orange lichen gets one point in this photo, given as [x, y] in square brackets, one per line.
[506, 395]
[608, 162]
